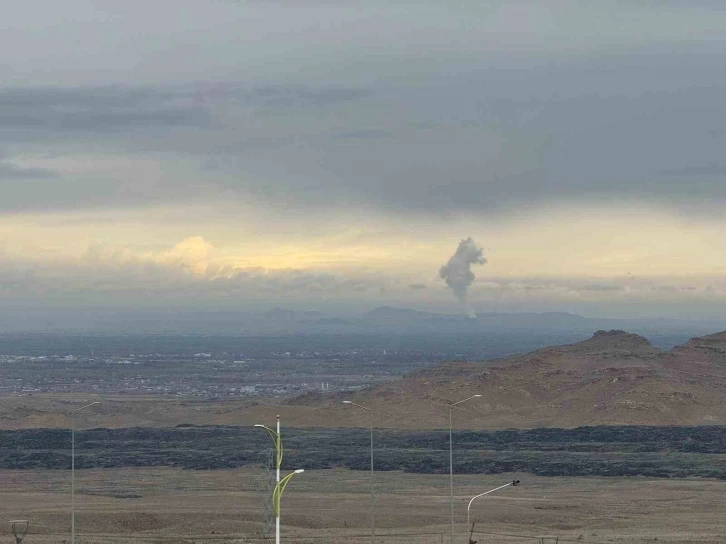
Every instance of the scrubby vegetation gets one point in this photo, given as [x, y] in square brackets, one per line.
[664, 452]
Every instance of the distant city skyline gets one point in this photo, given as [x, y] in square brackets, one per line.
[187, 157]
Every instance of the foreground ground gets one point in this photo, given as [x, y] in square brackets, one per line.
[331, 506]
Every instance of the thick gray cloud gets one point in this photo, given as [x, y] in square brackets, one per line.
[189, 125]
[403, 107]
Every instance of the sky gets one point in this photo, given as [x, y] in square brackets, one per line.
[201, 156]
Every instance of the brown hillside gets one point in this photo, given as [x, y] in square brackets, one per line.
[707, 350]
[612, 378]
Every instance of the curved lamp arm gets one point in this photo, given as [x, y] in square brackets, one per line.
[468, 508]
[86, 406]
[277, 442]
[358, 405]
[279, 488]
[472, 397]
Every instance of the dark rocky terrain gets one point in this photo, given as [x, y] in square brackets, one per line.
[663, 452]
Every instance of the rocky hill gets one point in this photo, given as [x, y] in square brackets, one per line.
[613, 378]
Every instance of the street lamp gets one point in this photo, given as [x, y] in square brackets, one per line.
[468, 508]
[277, 440]
[73, 469]
[451, 461]
[277, 494]
[373, 500]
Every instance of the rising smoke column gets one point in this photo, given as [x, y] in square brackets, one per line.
[457, 272]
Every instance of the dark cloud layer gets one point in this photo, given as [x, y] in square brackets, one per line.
[466, 129]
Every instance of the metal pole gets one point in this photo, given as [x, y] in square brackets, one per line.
[373, 500]
[73, 469]
[277, 479]
[451, 473]
[73, 478]
[373, 495]
[451, 461]
[280, 488]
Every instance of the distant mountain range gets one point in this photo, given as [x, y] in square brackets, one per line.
[385, 315]
[386, 320]
[410, 320]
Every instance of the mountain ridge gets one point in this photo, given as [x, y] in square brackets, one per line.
[611, 378]
[409, 320]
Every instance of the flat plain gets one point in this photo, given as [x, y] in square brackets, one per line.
[162, 505]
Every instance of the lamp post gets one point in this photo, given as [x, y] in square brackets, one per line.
[468, 508]
[73, 469]
[277, 495]
[373, 500]
[451, 461]
[277, 440]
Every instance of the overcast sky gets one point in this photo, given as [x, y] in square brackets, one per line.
[332, 155]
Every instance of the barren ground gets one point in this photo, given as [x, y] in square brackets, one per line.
[332, 506]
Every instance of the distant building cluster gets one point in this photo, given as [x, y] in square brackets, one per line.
[205, 374]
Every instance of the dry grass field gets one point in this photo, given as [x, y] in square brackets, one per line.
[331, 506]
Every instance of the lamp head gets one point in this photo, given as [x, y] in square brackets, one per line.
[298, 471]
[86, 406]
[347, 402]
[258, 425]
[477, 395]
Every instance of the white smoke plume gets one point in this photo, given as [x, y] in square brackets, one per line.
[457, 272]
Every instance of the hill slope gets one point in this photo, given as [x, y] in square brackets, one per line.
[613, 378]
